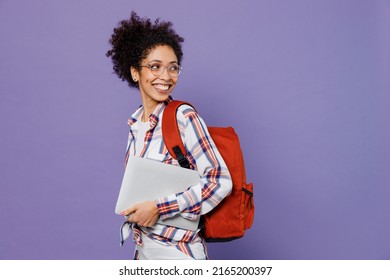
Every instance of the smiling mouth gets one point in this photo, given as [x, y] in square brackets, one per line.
[162, 87]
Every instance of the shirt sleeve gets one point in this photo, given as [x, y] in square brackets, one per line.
[215, 183]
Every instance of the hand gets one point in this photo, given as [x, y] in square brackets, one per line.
[144, 214]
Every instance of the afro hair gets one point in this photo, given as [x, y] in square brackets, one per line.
[133, 40]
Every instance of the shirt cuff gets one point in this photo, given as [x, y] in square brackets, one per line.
[167, 206]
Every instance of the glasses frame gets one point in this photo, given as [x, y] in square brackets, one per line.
[164, 68]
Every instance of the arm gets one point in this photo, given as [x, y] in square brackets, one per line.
[215, 181]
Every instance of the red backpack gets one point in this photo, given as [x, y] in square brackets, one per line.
[229, 219]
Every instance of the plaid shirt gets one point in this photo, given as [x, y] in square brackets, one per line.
[203, 156]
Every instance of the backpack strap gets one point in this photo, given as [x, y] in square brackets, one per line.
[171, 133]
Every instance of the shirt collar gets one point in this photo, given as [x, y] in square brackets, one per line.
[154, 117]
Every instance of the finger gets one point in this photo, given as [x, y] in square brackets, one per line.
[129, 211]
[151, 221]
[130, 218]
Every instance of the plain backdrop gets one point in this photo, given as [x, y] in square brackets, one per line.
[304, 83]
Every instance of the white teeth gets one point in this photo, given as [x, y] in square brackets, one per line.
[162, 87]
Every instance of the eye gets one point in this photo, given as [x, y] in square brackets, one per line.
[155, 67]
[173, 68]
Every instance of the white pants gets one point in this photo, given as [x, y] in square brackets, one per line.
[155, 250]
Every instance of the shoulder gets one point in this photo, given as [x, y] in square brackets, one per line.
[188, 118]
[186, 112]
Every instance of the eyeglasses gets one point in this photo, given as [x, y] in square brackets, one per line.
[158, 69]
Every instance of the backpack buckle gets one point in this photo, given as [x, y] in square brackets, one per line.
[183, 161]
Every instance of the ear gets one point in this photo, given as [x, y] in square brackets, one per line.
[134, 74]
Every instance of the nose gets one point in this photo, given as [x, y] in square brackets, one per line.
[164, 75]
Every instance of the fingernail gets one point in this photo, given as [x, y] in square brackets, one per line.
[122, 213]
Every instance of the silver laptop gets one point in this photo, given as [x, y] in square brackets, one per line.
[147, 179]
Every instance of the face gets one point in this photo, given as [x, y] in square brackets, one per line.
[155, 89]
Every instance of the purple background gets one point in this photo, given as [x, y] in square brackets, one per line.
[304, 83]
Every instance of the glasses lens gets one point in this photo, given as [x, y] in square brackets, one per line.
[158, 69]
[173, 70]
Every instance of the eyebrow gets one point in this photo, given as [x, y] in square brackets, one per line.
[156, 60]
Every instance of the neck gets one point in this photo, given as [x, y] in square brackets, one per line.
[148, 110]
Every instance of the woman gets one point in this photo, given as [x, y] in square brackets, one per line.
[148, 56]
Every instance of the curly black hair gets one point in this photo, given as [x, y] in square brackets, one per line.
[135, 38]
